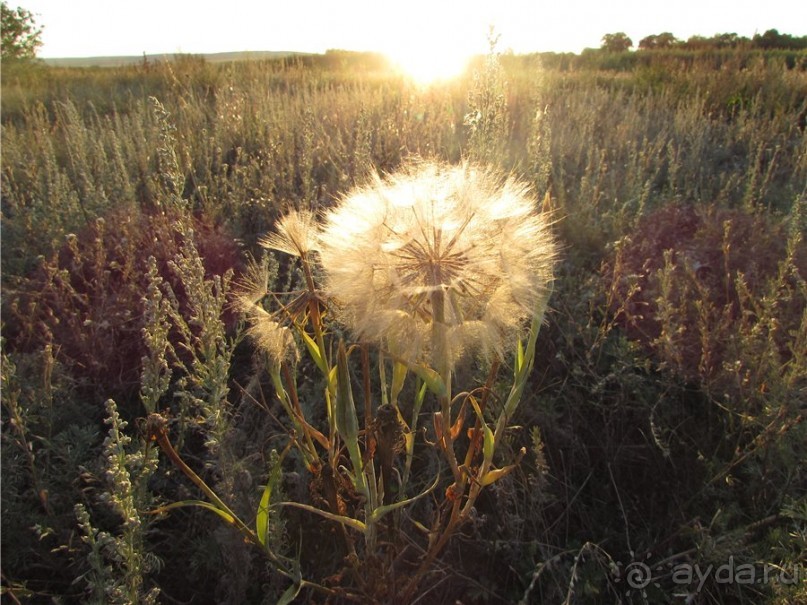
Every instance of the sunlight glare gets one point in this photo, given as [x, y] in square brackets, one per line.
[430, 65]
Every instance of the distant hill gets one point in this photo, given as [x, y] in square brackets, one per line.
[134, 59]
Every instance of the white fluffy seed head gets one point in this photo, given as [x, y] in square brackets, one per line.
[270, 336]
[461, 238]
[296, 234]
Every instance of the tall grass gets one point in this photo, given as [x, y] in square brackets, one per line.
[674, 349]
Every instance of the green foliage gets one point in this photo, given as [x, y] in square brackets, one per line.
[203, 349]
[773, 39]
[616, 43]
[654, 42]
[119, 562]
[50, 441]
[769, 40]
[20, 36]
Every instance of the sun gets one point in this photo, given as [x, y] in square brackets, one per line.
[427, 65]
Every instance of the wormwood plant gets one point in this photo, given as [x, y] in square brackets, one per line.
[184, 337]
[423, 268]
[119, 562]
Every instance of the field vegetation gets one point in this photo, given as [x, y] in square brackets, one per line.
[662, 424]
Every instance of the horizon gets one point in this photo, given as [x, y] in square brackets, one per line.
[420, 32]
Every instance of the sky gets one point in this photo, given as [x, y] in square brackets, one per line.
[406, 28]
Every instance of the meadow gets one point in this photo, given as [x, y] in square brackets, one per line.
[662, 425]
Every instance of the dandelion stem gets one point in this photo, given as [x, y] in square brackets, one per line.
[443, 363]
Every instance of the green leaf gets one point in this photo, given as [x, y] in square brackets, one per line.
[262, 516]
[432, 379]
[409, 441]
[488, 444]
[313, 350]
[519, 357]
[418, 404]
[399, 371]
[494, 475]
[201, 504]
[525, 357]
[347, 424]
[349, 521]
[290, 594]
[429, 376]
[346, 421]
[379, 512]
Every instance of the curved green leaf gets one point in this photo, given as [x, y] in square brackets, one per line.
[379, 512]
[350, 522]
[201, 504]
[290, 594]
[429, 376]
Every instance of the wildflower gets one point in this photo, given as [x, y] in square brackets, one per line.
[437, 260]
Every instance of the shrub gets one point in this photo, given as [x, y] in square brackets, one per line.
[702, 289]
[86, 301]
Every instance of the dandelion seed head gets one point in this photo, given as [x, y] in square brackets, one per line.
[271, 337]
[460, 246]
[296, 234]
[252, 286]
[268, 335]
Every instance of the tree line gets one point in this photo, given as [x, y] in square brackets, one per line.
[771, 39]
